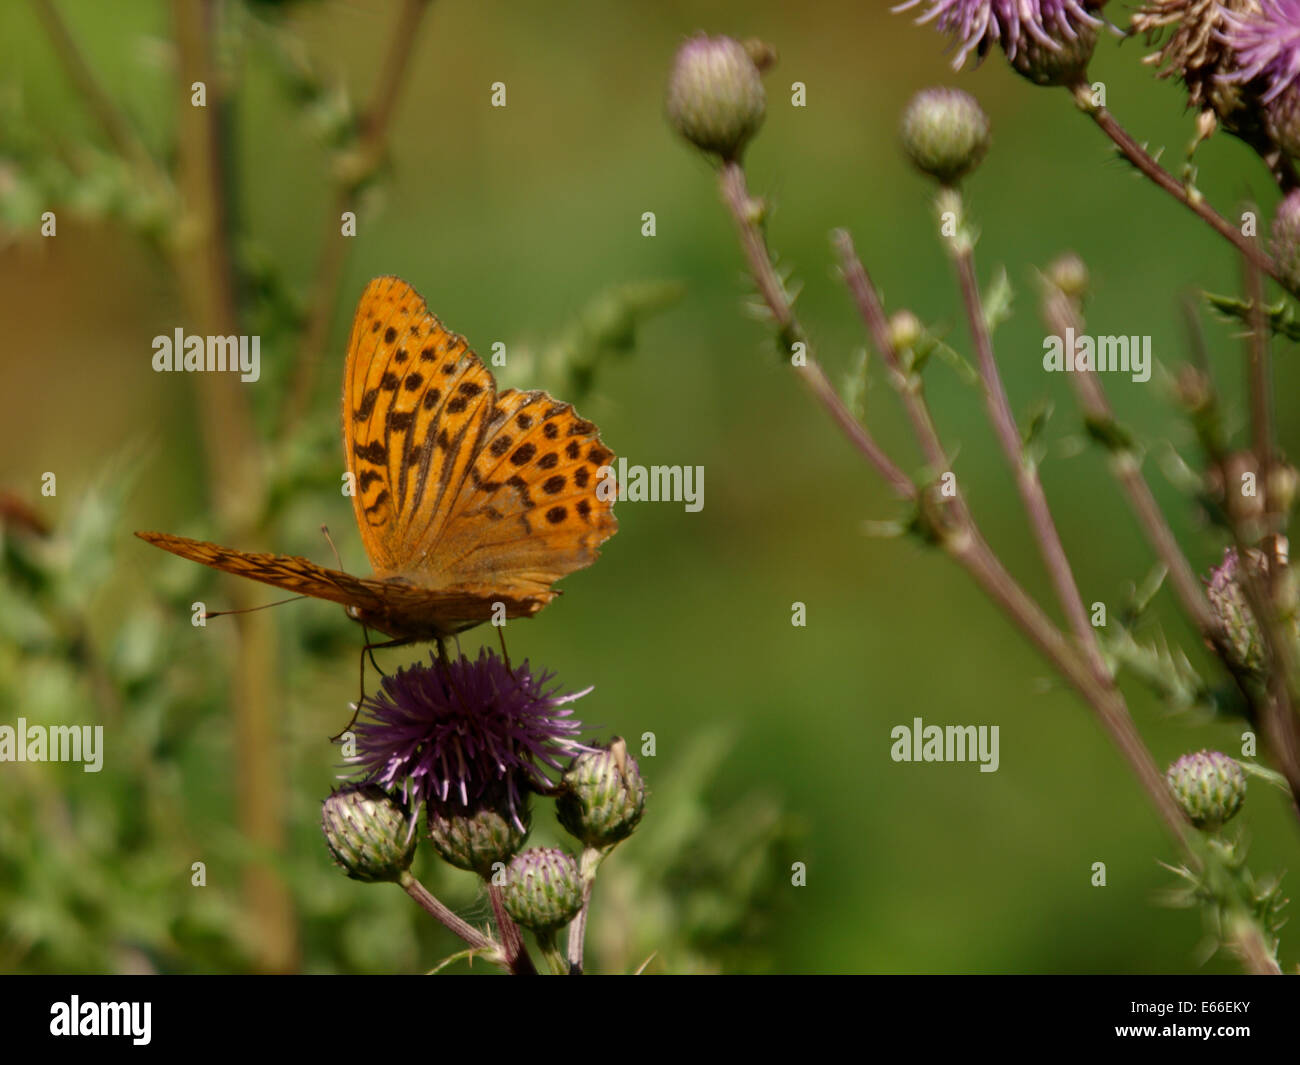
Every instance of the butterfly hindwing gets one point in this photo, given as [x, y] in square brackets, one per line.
[537, 503]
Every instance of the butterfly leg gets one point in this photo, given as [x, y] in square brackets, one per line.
[368, 650]
[501, 635]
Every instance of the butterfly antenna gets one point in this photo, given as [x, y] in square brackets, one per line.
[339, 561]
[249, 609]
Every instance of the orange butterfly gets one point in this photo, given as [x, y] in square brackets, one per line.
[465, 497]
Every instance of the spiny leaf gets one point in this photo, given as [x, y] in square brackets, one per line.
[1280, 317]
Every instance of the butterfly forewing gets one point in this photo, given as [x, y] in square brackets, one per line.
[415, 408]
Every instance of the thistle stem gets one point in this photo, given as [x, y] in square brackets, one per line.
[1063, 318]
[440, 912]
[512, 941]
[1189, 198]
[964, 544]
[735, 193]
[587, 866]
[1026, 476]
[550, 949]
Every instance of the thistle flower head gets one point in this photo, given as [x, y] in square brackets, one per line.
[1264, 37]
[1264, 40]
[462, 733]
[1031, 32]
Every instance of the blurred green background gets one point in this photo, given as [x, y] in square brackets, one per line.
[509, 221]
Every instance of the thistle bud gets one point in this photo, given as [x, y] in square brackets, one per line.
[543, 889]
[368, 833]
[1209, 786]
[1230, 608]
[715, 95]
[602, 796]
[1286, 238]
[1069, 274]
[945, 133]
[476, 839]
[905, 330]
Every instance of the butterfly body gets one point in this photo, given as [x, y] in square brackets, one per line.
[470, 502]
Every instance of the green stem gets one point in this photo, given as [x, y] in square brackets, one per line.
[547, 944]
[587, 866]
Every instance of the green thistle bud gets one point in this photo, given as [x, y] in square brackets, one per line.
[368, 832]
[1209, 786]
[1286, 237]
[905, 330]
[543, 889]
[945, 133]
[602, 796]
[715, 95]
[477, 839]
[1069, 273]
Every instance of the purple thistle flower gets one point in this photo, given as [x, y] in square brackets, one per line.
[461, 733]
[977, 24]
[1266, 44]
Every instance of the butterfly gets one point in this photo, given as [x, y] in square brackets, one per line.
[468, 500]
